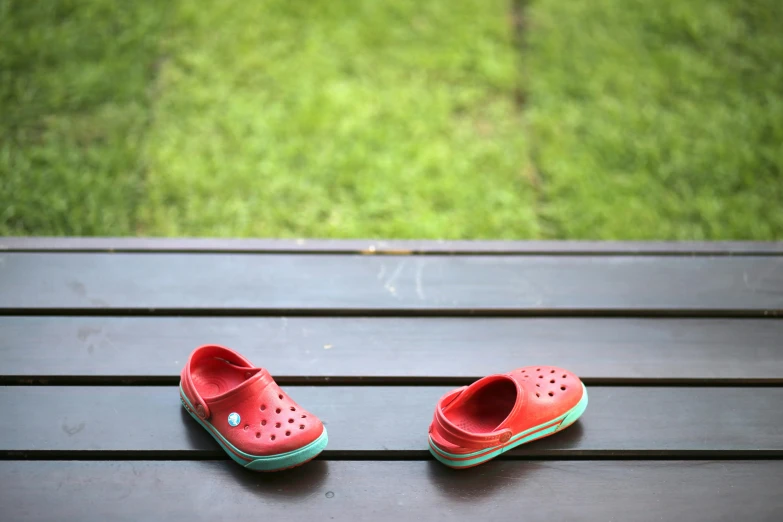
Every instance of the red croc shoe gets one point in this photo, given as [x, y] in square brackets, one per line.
[247, 413]
[476, 423]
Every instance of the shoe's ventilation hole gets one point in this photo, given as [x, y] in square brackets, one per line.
[258, 434]
[272, 437]
[523, 371]
[263, 422]
[304, 416]
[280, 396]
[278, 410]
[551, 394]
[538, 369]
[247, 427]
[552, 371]
[552, 381]
[277, 424]
[538, 385]
[263, 407]
[564, 376]
[287, 433]
[290, 421]
[292, 408]
[538, 394]
[301, 426]
[563, 388]
[540, 376]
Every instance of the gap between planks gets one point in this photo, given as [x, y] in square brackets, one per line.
[328, 380]
[640, 313]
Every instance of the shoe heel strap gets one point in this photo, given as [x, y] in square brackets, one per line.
[204, 352]
[456, 435]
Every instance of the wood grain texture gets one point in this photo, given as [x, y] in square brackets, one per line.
[148, 422]
[393, 491]
[395, 247]
[366, 284]
[295, 349]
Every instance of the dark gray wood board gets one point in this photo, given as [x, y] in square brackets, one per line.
[393, 247]
[148, 422]
[597, 349]
[259, 283]
[321, 490]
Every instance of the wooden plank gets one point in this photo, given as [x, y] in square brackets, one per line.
[530, 491]
[392, 349]
[393, 247]
[148, 422]
[178, 283]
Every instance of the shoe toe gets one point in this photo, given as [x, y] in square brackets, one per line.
[551, 389]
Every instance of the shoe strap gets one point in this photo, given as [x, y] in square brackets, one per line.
[460, 437]
[205, 352]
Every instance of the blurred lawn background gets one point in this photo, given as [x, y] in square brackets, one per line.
[592, 119]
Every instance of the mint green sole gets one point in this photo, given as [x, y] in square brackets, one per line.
[529, 435]
[260, 462]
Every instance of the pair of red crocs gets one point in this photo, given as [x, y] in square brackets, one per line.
[263, 429]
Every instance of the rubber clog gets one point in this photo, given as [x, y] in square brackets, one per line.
[476, 423]
[243, 408]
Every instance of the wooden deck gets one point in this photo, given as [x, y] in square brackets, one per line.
[680, 345]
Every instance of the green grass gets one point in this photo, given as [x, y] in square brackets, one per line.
[340, 118]
[658, 119]
[74, 84]
[639, 119]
